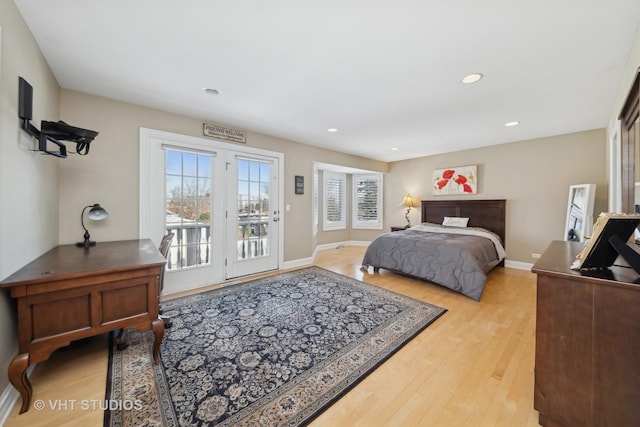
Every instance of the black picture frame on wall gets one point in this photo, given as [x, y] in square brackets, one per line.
[299, 188]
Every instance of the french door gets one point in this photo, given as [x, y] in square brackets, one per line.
[253, 214]
[221, 204]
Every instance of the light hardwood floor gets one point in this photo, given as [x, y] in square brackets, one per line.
[472, 367]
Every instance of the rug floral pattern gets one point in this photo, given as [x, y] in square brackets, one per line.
[274, 351]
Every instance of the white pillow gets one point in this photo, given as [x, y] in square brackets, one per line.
[455, 221]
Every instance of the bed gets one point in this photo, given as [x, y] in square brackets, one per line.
[458, 258]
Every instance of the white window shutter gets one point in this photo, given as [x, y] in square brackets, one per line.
[334, 201]
[367, 201]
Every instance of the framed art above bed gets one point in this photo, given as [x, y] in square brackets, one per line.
[460, 180]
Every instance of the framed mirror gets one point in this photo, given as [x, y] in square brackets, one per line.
[580, 212]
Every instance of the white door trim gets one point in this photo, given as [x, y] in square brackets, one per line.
[152, 139]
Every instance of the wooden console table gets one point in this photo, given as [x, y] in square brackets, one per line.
[71, 293]
[587, 370]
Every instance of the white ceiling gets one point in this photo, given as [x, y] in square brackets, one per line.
[385, 73]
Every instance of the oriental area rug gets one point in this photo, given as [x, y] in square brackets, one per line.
[273, 351]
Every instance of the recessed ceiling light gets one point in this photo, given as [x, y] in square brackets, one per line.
[394, 148]
[210, 91]
[332, 130]
[511, 124]
[471, 78]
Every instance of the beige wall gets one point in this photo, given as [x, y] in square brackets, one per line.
[28, 180]
[110, 173]
[534, 176]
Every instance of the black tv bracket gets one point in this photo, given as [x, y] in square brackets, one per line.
[51, 132]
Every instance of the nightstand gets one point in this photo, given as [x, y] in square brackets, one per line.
[398, 228]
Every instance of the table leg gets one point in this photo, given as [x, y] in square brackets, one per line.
[158, 332]
[122, 339]
[18, 378]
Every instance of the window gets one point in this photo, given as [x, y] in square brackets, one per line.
[330, 192]
[334, 201]
[254, 178]
[188, 179]
[367, 201]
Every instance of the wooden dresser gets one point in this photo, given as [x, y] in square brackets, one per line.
[587, 367]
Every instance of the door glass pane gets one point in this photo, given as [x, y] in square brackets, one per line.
[189, 164]
[253, 209]
[188, 182]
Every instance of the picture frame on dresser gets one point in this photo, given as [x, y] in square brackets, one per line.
[610, 235]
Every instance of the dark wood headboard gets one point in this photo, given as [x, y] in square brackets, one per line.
[489, 214]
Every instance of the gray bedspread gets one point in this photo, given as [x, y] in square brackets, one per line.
[459, 262]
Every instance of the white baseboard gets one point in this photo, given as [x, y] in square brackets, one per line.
[518, 265]
[9, 397]
[297, 263]
[302, 262]
[338, 245]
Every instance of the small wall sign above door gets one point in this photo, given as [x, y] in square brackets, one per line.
[227, 134]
